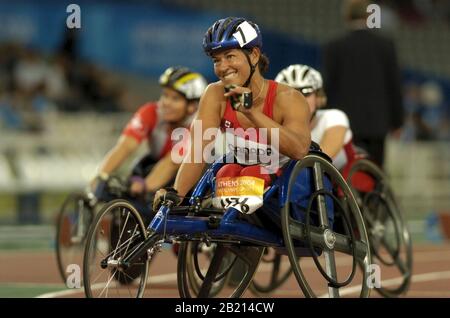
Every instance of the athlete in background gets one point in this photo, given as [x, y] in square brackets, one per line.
[154, 122]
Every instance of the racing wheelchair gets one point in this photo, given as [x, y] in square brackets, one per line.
[77, 213]
[389, 237]
[302, 217]
[390, 240]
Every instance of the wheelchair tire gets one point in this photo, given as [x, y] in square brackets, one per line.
[322, 240]
[400, 255]
[72, 225]
[102, 259]
[216, 275]
[191, 252]
[277, 276]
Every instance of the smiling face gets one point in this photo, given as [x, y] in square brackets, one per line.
[231, 66]
[173, 105]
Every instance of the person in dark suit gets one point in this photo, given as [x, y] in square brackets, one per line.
[362, 78]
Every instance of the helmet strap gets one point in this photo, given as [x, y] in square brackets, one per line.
[252, 69]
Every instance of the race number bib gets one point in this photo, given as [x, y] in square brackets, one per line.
[245, 33]
[243, 193]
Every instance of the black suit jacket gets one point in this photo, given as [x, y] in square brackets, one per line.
[362, 77]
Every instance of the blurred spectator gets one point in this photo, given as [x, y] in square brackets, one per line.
[56, 85]
[29, 72]
[389, 15]
[31, 83]
[426, 116]
[362, 78]
[9, 56]
[432, 110]
[93, 89]
[9, 115]
[414, 127]
[69, 45]
[23, 112]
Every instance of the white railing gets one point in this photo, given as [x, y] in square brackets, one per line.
[65, 157]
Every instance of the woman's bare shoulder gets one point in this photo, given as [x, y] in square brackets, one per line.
[284, 91]
[287, 96]
[215, 89]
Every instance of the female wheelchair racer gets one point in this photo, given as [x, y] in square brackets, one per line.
[301, 216]
[300, 211]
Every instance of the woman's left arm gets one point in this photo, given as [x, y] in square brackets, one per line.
[333, 140]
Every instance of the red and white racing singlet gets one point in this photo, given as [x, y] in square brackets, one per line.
[250, 146]
[147, 124]
[326, 119]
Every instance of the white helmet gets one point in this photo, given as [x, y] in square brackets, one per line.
[188, 83]
[301, 77]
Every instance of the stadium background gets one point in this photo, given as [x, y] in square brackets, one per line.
[53, 135]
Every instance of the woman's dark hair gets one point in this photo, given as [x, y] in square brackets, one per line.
[263, 63]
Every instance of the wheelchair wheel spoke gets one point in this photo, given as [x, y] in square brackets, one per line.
[97, 277]
[119, 228]
[330, 267]
[98, 250]
[319, 186]
[110, 277]
[121, 231]
[130, 239]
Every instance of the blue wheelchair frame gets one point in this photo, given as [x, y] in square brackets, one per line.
[303, 188]
[230, 227]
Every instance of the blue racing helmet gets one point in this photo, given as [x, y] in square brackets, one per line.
[231, 33]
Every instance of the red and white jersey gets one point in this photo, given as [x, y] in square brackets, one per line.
[146, 124]
[326, 119]
[250, 146]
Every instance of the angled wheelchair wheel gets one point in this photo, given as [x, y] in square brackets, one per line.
[207, 277]
[324, 232]
[73, 221]
[389, 237]
[116, 231]
[275, 270]
[197, 256]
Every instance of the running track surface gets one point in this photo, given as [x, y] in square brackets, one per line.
[34, 274]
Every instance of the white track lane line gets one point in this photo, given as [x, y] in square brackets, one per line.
[153, 280]
[423, 257]
[418, 278]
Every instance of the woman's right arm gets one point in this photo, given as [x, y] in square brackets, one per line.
[124, 147]
[209, 115]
